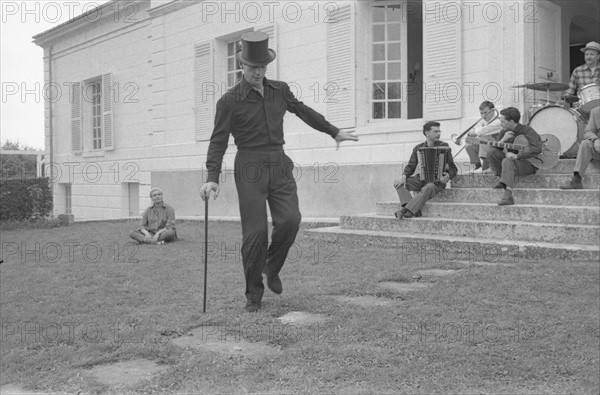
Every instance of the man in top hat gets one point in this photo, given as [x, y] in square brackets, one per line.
[587, 73]
[253, 111]
[158, 222]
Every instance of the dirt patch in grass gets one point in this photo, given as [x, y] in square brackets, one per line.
[402, 287]
[437, 272]
[366, 301]
[126, 373]
[302, 318]
[240, 343]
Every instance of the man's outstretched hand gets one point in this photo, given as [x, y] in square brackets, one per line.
[345, 134]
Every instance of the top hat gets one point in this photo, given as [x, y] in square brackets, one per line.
[591, 45]
[255, 51]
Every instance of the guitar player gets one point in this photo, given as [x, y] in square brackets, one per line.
[510, 165]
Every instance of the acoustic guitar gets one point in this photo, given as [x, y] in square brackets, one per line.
[546, 159]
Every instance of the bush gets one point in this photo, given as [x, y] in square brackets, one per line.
[25, 199]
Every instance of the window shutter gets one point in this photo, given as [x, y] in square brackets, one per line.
[76, 140]
[205, 91]
[339, 89]
[442, 54]
[271, 30]
[107, 113]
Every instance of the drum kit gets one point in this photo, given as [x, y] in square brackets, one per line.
[567, 124]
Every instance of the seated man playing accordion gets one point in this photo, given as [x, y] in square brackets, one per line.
[428, 185]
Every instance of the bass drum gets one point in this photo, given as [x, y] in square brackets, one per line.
[566, 124]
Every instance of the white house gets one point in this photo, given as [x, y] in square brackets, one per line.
[136, 83]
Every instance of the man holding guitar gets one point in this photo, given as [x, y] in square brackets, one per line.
[510, 165]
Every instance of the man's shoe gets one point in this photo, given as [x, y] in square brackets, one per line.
[409, 214]
[401, 213]
[252, 307]
[573, 184]
[274, 284]
[506, 201]
[499, 185]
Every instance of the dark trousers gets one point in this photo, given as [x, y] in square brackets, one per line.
[509, 170]
[426, 192]
[265, 176]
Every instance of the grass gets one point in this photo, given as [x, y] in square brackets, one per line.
[529, 328]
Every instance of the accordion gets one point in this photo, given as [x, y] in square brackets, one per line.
[433, 162]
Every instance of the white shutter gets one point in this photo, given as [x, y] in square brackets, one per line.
[271, 31]
[442, 54]
[339, 90]
[205, 91]
[107, 113]
[76, 138]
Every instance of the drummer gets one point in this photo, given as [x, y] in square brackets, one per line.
[587, 73]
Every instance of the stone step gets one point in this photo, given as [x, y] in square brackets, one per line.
[552, 181]
[582, 197]
[413, 247]
[491, 211]
[564, 166]
[506, 230]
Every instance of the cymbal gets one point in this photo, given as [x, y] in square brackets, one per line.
[545, 86]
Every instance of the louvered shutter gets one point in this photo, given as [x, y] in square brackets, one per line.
[107, 113]
[340, 87]
[76, 138]
[205, 91]
[271, 31]
[442, 54]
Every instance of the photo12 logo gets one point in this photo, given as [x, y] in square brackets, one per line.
[56, 12]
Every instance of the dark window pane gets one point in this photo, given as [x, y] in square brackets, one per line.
[379, 91]
[378, 110]
[394, 109]
[394, 90]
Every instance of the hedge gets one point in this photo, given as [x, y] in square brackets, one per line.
[24, 199]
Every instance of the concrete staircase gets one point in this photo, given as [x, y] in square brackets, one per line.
[464, 223]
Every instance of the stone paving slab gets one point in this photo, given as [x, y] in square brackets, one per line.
[126, 373]
[366, 301]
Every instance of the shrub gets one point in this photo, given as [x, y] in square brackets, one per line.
[25, 199]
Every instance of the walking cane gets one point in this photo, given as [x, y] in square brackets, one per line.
[205, 247]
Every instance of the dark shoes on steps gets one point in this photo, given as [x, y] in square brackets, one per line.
[573, 184]
[405, 213]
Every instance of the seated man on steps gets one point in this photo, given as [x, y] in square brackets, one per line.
[487, 129]
[589, 149]
[158, 222]
[509, 165]
[432, 133]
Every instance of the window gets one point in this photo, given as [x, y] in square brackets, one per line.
[386, 25]
[68, 199]
[92, 115]
[96, 104]
[234, 68]
[396, 56]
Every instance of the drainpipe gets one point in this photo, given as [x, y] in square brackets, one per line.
[51, 129]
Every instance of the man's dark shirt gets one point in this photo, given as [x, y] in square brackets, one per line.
[256, 121]
[535, 141]
[414, 159]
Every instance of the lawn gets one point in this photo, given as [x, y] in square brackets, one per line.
[76, 297]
